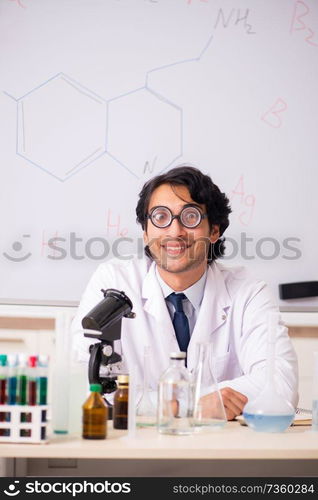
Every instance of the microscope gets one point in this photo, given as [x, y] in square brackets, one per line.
[103, 322]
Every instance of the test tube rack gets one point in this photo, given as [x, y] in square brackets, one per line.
[23, 424]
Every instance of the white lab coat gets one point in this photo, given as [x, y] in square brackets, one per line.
[233, 316]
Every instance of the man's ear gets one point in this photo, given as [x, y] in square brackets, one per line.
[215, 233]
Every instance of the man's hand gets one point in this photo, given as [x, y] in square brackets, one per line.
[233, 402]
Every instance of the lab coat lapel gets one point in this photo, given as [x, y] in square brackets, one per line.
[155, 305]
[213, 311]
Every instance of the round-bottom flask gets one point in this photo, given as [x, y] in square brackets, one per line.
[269, 411]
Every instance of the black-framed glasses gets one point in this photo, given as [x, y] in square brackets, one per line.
[190, 216]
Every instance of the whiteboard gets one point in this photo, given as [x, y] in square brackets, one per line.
[97, 96]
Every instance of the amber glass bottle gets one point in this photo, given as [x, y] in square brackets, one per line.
[120, 411]
[95, 414]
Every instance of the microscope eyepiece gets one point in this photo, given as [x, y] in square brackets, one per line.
[107, 313]
[112, 292]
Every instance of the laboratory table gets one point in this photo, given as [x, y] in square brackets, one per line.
[235, 451]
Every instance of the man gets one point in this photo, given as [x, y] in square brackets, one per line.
[183, 215]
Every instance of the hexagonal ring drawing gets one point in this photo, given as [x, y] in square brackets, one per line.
[61, 127]
[144, 128]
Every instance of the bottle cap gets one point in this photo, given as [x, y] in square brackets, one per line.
[178, 355]
[22, 357]
[43, 360]
[3, 359]
[32, 362]
[95, 387]
[12, 360]
[123, 379]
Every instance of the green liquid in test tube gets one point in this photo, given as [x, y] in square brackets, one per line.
[43, 363]
[22, 379]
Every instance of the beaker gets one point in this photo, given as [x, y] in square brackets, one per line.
[314, 421]
[208, 409]
[269, 411]
[146, 413]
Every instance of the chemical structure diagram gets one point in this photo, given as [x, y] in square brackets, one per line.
[50, 137]
[63, 127]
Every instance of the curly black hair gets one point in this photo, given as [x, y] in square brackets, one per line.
[202, 190]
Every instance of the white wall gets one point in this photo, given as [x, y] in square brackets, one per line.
[97, 96]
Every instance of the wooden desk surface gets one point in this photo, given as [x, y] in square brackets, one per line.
[232, 442]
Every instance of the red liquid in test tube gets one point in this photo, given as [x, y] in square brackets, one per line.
[32, 362]
[3, 384]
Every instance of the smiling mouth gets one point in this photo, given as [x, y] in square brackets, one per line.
[175, 248]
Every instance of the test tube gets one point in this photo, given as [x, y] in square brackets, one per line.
[314, 424]
[22, 379]
[3, 378]
[32, 376]
[12, 379]
[3, 389]
[43, 363]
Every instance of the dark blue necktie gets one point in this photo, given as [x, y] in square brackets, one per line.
[180, 321]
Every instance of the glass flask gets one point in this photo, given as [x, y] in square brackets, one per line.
[208, 409]
[269, 411]
[146, 415]
[174, 398]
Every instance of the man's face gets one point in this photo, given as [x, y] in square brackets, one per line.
[177, 249]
